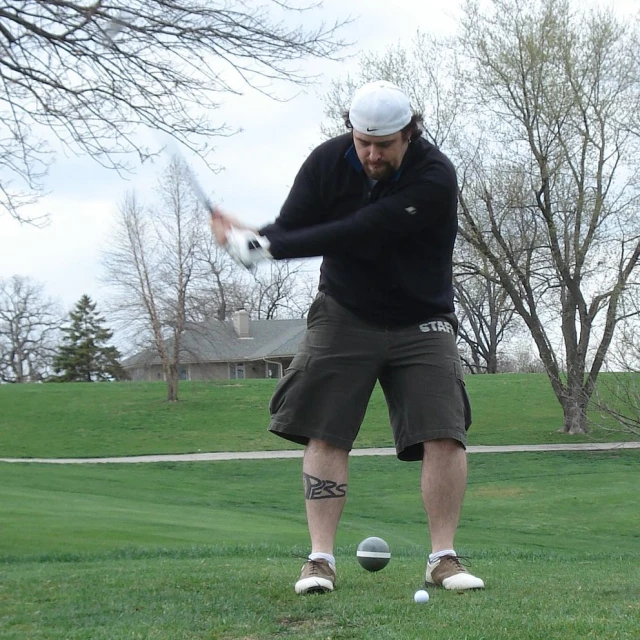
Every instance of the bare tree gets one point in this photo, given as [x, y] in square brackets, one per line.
[220, 286]
[151, 265]
[277, 289]
[520, 358]
[552, 201]
[486, 314]
[29, 325]
[306, 291]
[170, 277]
[97, 73]
[616, 401]
[280, 290]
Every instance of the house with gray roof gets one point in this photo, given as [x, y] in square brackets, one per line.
[230, 349]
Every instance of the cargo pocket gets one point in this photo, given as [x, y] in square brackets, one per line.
[466, 403]
[287, 384]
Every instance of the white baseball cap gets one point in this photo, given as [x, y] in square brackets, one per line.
[379, 109]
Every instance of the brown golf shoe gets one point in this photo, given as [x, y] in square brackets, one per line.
[317, 576]
[449, 572]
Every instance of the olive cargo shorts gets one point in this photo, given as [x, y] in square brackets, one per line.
[325, 391]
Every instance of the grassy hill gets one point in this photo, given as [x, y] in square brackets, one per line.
[107, 419]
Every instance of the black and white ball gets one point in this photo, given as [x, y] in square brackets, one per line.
[373, 554]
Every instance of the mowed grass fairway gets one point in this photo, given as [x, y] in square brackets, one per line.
[210, 550]
[170, 551]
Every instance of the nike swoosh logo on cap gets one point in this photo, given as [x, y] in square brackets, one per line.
[370, 129]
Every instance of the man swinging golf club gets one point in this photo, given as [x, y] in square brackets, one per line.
[379, 204]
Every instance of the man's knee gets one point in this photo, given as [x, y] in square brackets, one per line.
[320, 446]
[442, 446]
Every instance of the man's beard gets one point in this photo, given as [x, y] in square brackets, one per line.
[381, 171]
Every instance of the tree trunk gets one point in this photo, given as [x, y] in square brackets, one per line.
[575, 415]
[492, 361]
[171, 375]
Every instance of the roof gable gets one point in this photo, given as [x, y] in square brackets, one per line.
[217, 341]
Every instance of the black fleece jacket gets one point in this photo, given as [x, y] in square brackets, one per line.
[387, 249]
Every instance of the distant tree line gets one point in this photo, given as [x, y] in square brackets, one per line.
[38, 344]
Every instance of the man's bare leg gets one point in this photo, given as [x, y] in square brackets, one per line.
[444, 482]
[324, 472]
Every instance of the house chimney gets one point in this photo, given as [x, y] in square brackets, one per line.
[241, 320]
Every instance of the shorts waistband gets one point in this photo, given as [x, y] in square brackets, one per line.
[430, 324]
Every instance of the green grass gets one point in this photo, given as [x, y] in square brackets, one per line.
[206, 598]
[200, 551]
[206, 550]
[66, 509]
[72, 420]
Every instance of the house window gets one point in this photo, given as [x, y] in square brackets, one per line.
[236, 371]
[183, 373]
[274, 370]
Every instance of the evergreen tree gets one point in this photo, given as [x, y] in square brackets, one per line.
[84, 355]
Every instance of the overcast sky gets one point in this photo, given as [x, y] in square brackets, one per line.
[259, 163]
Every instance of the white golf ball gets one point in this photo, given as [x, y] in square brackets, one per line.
[421, 596]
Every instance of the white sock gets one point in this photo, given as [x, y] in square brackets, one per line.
[441, 554]
[324, 556]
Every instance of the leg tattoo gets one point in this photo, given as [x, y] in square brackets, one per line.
[318, 489]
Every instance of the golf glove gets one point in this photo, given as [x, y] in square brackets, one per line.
[247, 248]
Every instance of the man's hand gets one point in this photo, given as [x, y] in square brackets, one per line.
[242, 243]
[246, 247]
[222, 223]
